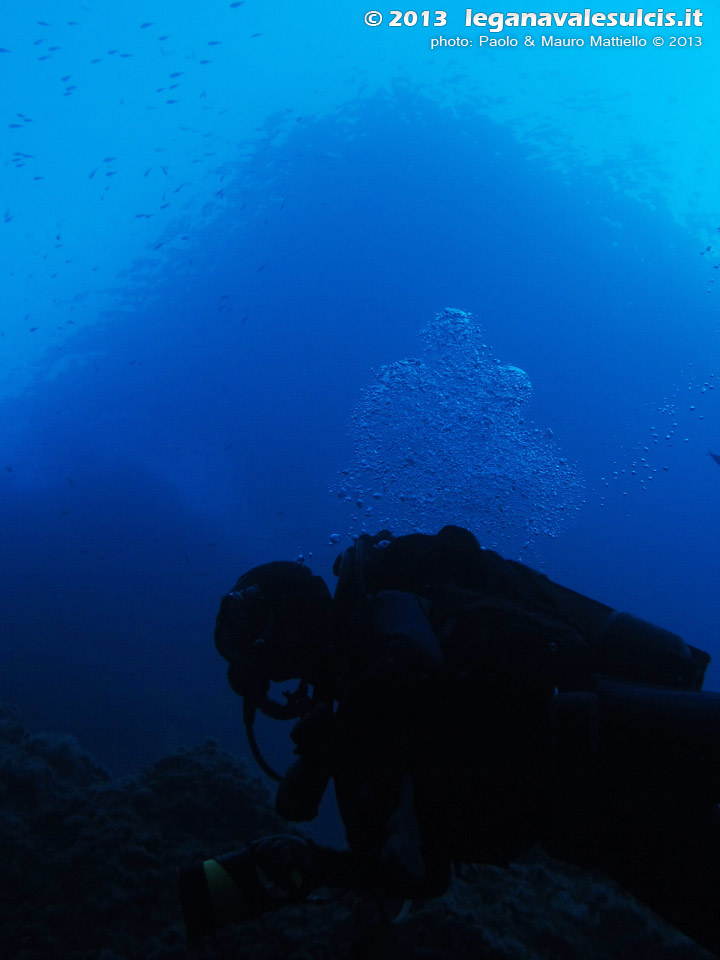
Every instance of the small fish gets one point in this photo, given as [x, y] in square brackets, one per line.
[715, 456]
[109, 159]
[178, 73]
[214, 43]
[92, 173]
[143, 25]
[164, 38]
[68, 76]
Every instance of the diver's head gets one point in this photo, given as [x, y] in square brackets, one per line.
[274, 626]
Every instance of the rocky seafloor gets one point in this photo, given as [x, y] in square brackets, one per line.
[88, 862]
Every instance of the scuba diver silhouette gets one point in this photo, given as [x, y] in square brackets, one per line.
[467, 708]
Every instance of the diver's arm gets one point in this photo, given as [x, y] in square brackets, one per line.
[302, 788]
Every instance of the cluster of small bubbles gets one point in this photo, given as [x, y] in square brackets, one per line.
[676, 411]
[677, 416]
[445, 440]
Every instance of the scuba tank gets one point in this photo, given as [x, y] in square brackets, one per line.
[607, 643]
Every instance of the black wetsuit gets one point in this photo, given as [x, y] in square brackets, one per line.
[642, 803]
[509, 737]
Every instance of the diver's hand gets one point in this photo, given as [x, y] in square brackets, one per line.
[301, 790]
[284, 865]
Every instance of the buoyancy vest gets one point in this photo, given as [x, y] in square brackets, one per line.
[491, 613]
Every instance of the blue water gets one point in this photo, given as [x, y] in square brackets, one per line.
[200, 280]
